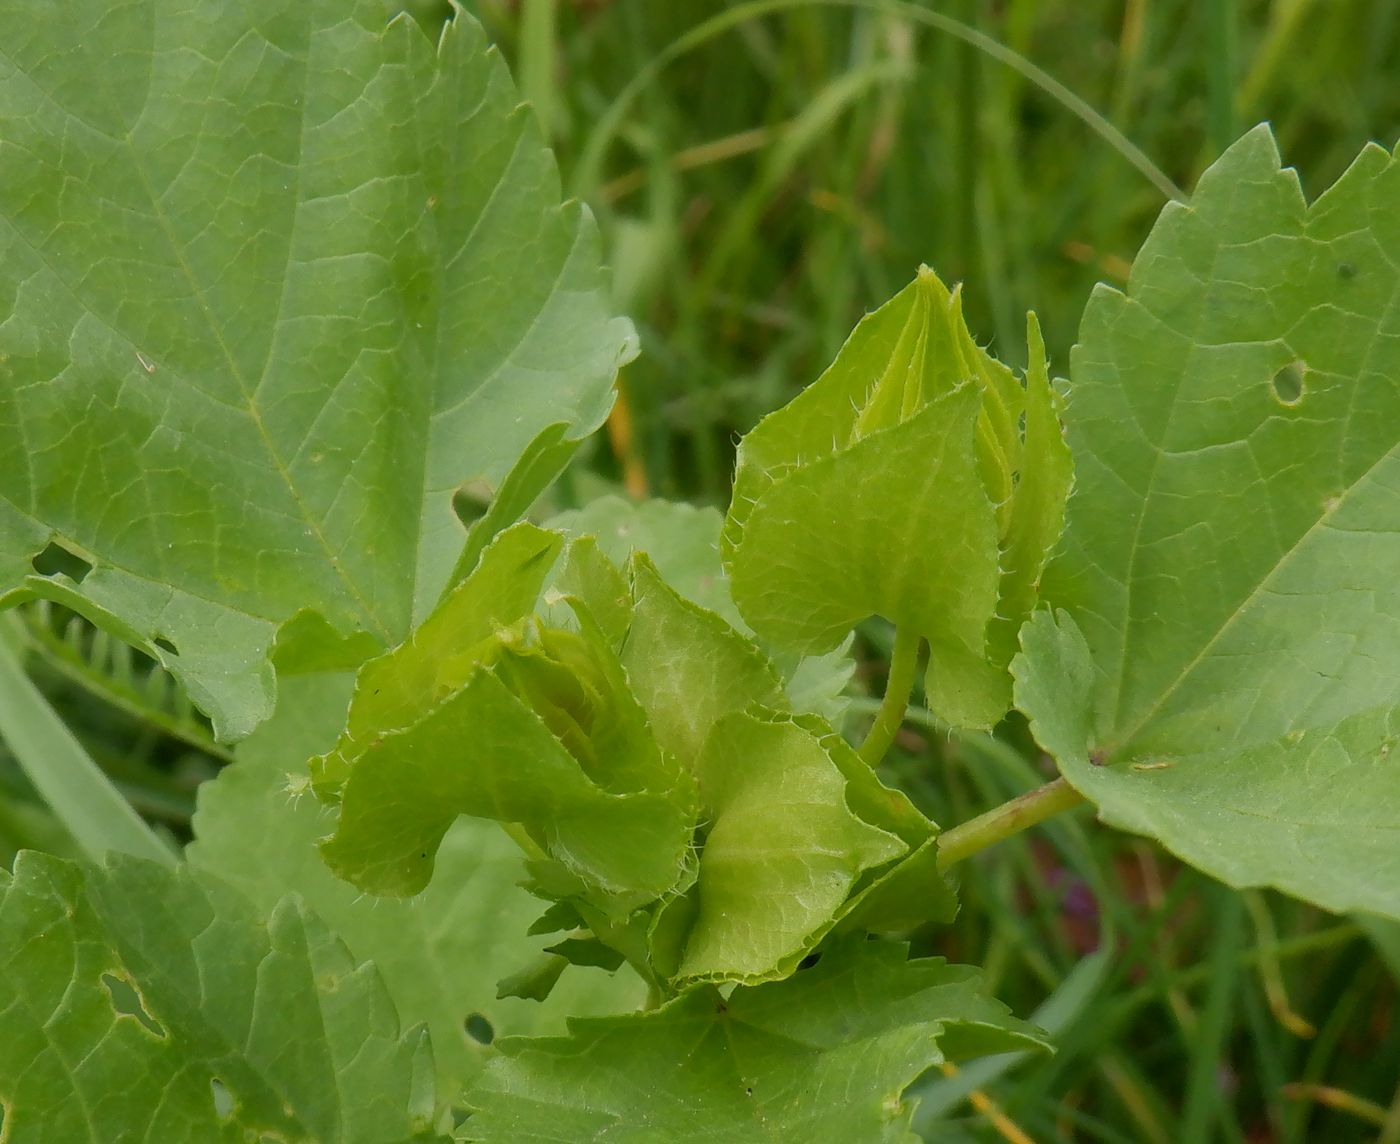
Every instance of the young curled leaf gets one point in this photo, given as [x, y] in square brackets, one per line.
[485, 712]
[783, 851]
[917, 479]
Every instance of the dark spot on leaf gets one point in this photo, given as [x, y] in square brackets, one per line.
[165, 645]
[56, 560]
[1346, 271]
[126, 1002]
[748, 1090]
[1098, 757]
[1290, 383]
[721, 1007]
[223, 1099]
[479, 1029]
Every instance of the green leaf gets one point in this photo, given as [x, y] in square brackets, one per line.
[1225, 675]
[681, 539]
[683, 542]
[275, 281]
[461, 635]
[782, 852]
[440, 953]
[476, 716]
[144, 1003]
[891, 486]
[1038, 509]
[483, 752]
[688, 667]
[824, 1055]
[910, 892]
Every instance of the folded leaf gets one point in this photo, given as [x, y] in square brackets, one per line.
[1224, 669]
[782, 852]
[688, 667]
[476, 715]
[682, 541]
[902, 484]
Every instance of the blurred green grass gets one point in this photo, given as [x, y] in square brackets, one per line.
[777, 174]
[772, 181]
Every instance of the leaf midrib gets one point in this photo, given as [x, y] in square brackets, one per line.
[1144, 720]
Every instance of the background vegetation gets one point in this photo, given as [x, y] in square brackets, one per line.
[765, 172]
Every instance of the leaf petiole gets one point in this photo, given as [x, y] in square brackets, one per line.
[1001, 822]
[904, 664]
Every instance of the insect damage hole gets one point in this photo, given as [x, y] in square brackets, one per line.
[127, 1002]
[223, 1099]
[56, 560]
[1290, 383]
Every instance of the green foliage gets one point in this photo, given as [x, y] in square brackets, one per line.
[649, 765]
[279, 284]
[439, 964]
[300, 249]
[824, 1054]
[135, 998]
[1225, 675]
[910, 442]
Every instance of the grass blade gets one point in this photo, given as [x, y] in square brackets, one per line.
[74, 786]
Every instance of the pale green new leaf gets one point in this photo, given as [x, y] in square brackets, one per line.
[144, 1004]
[782, 852]
[463, 633]
[1225, 671]
[440, 953]
[688, 667]
[475, 716]
[824, 1055]
[275, 279]
[893, 486]
[683, 541]
[483, 752]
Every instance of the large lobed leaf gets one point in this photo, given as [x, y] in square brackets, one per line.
[824, 1055]
[275, 279]
[143, 1004]
[1223, 670]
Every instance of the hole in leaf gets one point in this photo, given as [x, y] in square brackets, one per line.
[479, 1029]
[810, 960]
[223, 1099]
[1290, 383]
[55, 560]
[165, 645]
[126, 1002]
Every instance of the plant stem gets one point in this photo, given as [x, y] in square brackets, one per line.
[1003, 821]
[904, 663]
